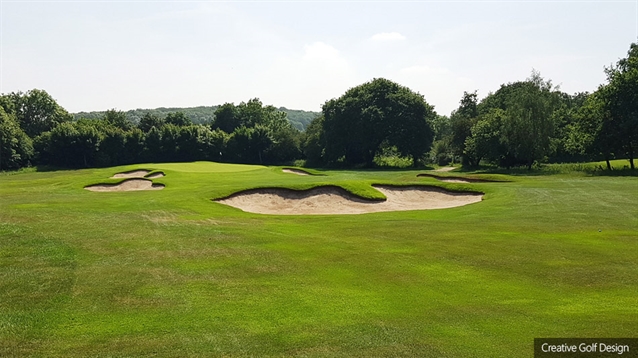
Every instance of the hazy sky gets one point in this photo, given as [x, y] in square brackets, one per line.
[97, 55]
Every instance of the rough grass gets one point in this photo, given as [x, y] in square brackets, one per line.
[171, 273]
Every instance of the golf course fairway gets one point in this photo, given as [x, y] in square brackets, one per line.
[174, 273]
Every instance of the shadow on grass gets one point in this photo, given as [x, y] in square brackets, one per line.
[553, 169]
[370, 169]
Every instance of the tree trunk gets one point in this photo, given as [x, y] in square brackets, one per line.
[608, 163]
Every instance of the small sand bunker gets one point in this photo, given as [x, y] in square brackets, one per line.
[335, 200]
[127, 185]
[132, 174]
[450, 179]
[155, 175]
[444, 169]
[295, 171]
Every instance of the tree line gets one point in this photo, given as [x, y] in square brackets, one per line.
[520, 124]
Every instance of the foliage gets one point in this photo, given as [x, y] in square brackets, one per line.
[620, 98]
[36, 111]
[376, 114]
[200, 115]
[16, 148]
[313, 142]
[258, 133]
[150, 120]
[461, 122]
[117, 119]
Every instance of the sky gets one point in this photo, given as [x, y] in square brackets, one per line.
[98, 55]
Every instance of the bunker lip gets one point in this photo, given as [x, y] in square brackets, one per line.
[134, 184]
[136, 173]
[331, 200]
[295, 171]
[456, 179]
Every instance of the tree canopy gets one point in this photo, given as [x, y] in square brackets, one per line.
[377, 114]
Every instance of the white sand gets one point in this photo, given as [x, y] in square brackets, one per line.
[454, 180]
[295, 171]
[132, 174]
[444, 169]
[332, 200]
[127, 185]
[155, 175]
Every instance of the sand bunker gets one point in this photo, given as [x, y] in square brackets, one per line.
[127, 185]
[155, 175]
[334, 200]
[132, 174]
[295, 171]
[444, 169]
[450, 179]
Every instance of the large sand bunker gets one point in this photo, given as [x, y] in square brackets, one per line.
[127, 185]
[295, 171]
[334, 200]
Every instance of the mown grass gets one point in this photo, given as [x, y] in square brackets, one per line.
[172, 273]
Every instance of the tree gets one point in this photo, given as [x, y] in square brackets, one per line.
[16, 148]
[620, 98]
[461, 122]
[313, 144]
[527, 125]
[375, 113]
[133, 146]
[36, 111]
[73, 144]
[178, 118]
[485, 141]
[226, 118]
[248, 145]
[118, 119]
[149, 121]
[591, 132]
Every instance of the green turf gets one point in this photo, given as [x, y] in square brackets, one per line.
[172, 273]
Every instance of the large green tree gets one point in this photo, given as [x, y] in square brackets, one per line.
[620, 98]
[36, 111]
[375, 114]
[526, 122]
[461, 122]
[16, 148]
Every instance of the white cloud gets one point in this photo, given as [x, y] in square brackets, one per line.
[388, 36]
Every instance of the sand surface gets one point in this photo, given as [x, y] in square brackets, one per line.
[132, 174]
[333, 200]
[295, 171]
[155, 175]
[444, 169]
[127, 185]
[451, 179]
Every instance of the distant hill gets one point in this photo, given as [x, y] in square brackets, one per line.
[202, 115]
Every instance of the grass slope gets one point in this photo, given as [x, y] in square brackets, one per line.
[171, 273]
